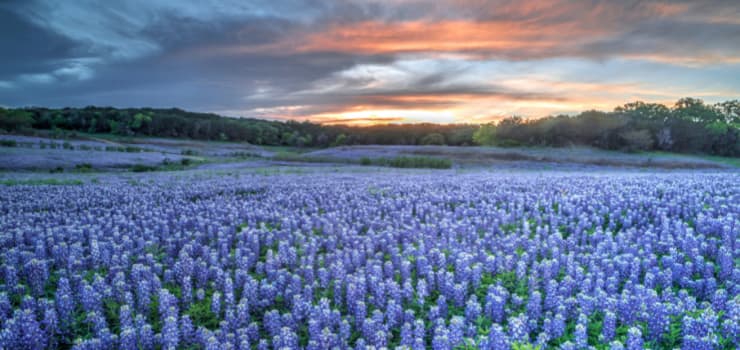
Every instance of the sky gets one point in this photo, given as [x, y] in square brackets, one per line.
[368, 61]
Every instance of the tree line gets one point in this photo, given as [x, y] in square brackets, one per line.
[178, 123]
[690, 125]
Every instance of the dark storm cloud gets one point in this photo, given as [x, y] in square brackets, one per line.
[29, 49]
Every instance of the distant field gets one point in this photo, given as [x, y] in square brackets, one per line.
[106, 153]
[131, 240]
[498, 156]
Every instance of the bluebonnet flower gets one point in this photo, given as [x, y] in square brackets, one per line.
[394, 314]
[128, 339]
[146, 337]
[611, 244]
[216, 303]
[187, 330]
[273, 322]
[97, 321]
[37, 274]
[634, 339]
[5, 307]
[441, 339]
[725, 262]
[442, 305]
[518, 329]
[658, 321]
[285, 339]
[360, 313]
[558, 326]
[407, 335]
[699, 333]
[170, 333]
[456, 331]
[212, 344]
[421, 291]
[609, 326]
[64, 303]
[51, 325]
[496, 340]
[534, 306]
[90, 299]
[23, 332]
[345, 331]
[459, 295]
[568, 345]
[581, 337]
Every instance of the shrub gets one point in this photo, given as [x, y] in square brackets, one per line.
[288, 156]
[140, 168]
[8, 143]
[637, 140]
[420, 162]
[433, 139]
[485, 135]
[84, 167]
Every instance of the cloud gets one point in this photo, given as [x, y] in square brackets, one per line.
[362, 59]
[679, 33]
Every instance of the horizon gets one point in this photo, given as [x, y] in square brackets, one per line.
[379, 122]
[370, 62]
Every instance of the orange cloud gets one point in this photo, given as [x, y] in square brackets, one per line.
[447, 36]
[472, 38]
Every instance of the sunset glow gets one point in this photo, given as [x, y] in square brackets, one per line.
[366, 62]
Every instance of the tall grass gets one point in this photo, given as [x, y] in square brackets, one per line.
[36, 182]
[410, 162]
[396, 162]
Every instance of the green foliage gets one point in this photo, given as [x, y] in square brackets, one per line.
[637, 140]
[410, 162]
[689, 126]
[433, 139]
[340, 140]
[36, 182]
[141, 168]
[200, 312]
[84, 167]
[111, 309]
[639, 109]
[140, 120]
[288, 156]
[15, 119]
[8, 143]
[485, 135]
[695, 110]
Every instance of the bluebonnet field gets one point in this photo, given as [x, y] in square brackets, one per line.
[406, 260]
